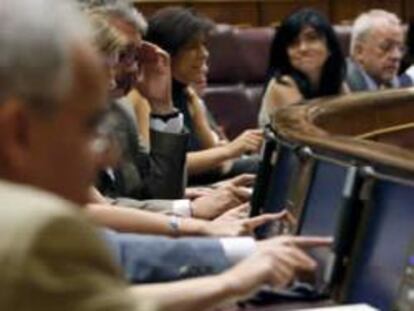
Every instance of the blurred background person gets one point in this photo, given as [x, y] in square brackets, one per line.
[377, 49]
[183, 34]
[306, 61]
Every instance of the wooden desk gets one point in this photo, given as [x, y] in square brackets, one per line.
[283, 306]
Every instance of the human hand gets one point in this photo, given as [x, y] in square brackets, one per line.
[274, 263]
[237, 213]
[213, 205]
[247, 142]
[238, 227]
[154, 78]
[242, 180]
[193, 193]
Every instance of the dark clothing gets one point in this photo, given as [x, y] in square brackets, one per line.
[142, 174]
[242, 165]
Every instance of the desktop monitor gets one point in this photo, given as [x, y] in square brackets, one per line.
[279, 181]
[334, 186]
[383, 239]
[322, 206]
[266, 165]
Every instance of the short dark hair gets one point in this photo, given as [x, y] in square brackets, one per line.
[333, 71]
[173, 27]
[408, 58]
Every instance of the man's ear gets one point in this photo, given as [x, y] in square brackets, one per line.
[358, 52]
[15, 138]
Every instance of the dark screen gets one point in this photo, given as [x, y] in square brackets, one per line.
[262, 178]
[324, 199]
[321, 212]
[286, 164]
[380, 259]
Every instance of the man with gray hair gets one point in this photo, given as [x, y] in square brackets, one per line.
[53, 90]
[377, 48]
[53, 94]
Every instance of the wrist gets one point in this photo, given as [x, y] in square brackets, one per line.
[229, 151]
[175, 225]
[230, 282]
[195, 213]
[191, 226]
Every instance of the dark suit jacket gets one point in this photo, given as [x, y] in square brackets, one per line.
[356, 81]
[142, 174]
[148, 258]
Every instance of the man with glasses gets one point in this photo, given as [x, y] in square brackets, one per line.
[52, 98]
[377, 48]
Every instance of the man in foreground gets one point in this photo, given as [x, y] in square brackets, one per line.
[52, 99]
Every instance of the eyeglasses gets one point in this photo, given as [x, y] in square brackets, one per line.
[387, 47]
[129, 55]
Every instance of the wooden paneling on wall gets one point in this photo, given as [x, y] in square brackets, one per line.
[269, 12]
[272, 12]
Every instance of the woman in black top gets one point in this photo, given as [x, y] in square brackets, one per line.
[182, 33]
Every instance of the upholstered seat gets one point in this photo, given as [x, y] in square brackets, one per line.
[238, 65]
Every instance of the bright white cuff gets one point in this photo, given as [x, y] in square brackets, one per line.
[236, 249]
[182, 208]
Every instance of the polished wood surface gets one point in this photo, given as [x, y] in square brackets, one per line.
[270, 12]
[334, 124]
[287, 306]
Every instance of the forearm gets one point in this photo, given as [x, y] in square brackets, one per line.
[205, 134]
[142, 113]
[130, 220]
[205, 160]
[205, 293]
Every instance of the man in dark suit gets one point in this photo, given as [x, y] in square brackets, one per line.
[377, 48]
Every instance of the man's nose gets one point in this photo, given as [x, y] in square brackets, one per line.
[397, 53]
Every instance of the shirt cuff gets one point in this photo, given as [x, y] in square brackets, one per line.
[182, 208]
[173, 125]
[236, 249]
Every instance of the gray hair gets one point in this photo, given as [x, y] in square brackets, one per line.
[36, 44]
[123, 9]
[365, 22]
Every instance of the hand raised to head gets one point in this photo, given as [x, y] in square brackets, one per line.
[154, 79]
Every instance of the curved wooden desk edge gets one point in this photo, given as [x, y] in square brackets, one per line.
[297, 123]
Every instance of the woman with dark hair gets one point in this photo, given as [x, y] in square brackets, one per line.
[408, 60]
[306, 61]
[182, 33]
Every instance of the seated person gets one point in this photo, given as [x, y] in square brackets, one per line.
[50, 254]
[305, 62]
[158, 173]
[208, 255]
[377, 48]
[182, 34]
[409, 57]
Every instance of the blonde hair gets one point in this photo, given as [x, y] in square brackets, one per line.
[107, 38]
